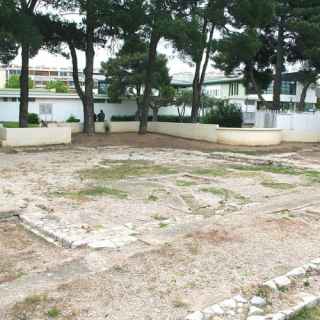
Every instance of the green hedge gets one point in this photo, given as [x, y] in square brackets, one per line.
[160, 118]
[225, 115]
[33, 118]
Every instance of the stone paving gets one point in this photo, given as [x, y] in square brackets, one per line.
[207, 208]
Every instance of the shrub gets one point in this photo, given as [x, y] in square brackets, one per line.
[160, 118]
[14, 82]
[59, 86]
[72, 119]
[33, 118]
[225, 115]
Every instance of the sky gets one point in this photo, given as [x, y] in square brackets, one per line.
[45, 59]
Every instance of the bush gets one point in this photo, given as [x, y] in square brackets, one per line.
[59, 86]
[33, 118]
[160, 118]
[72, 119]
[225, 115]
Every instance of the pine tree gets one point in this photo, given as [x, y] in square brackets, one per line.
[245, 44]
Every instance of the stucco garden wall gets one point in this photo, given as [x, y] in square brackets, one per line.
[300, 136]
[249, 137]
[34, 136]
[124, 126]
[100, 127]
[195, 131]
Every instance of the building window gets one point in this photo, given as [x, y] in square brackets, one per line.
[289, 88]
[99, 100]
[234, 89]
[45, 109]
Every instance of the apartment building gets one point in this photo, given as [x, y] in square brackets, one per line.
[42, 75]
[231, 88]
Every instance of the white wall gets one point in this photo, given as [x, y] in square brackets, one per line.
[309, 121]
[34, 136]
[196, 131]
[63, 108]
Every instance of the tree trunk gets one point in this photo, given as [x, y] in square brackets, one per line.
[24, 86]
[147, 85]
[200, 75]
[279, 67]
[196, 100]
[301, 105]
[75, 72]
[257, 88]
[155, 112]
[89, 126]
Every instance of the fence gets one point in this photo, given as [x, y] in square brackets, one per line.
[308, 121]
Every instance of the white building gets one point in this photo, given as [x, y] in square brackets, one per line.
[231, 88]
[59, 107]
[42, 75]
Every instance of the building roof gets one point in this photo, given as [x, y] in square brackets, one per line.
[186, 79]
[45, 94]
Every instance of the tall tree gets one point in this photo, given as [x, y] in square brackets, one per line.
[195, 40]
[157, 19]
[125, 74]
[24, 34]
[29, 40]
[306, 48]
[245, 44]
[96, 25]
[8, 46]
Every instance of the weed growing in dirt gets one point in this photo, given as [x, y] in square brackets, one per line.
[268, 168]
[123, 171]
[185, 183]
[153, 198]
[53, 312]
[278, 185]
[29, 305]
[159, 217]
[308, 314]
[312, 176]
[163, 225]
[96, 192]
[225, 193]
[179, 303]
[211, 172]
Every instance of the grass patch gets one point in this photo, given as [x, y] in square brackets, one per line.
[163, 225]
[153, 198]
[159, 217]
[185, 183]
[268, 168]
[123, 171]
[226, 194]
[97, 192]
[278, 185]
[11, 124]
[308, 314]
[312, 176]
[211, 172]
[53, 312]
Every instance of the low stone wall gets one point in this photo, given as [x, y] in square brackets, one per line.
[300, 136]
[21, 137]
[249, 136]
[195, 131]
[124, 126]
[300, 286]
[77, 127]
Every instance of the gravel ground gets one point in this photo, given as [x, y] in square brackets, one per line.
[205, 229]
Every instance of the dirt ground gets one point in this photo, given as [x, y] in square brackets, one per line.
[163, 141]
[153, 227]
